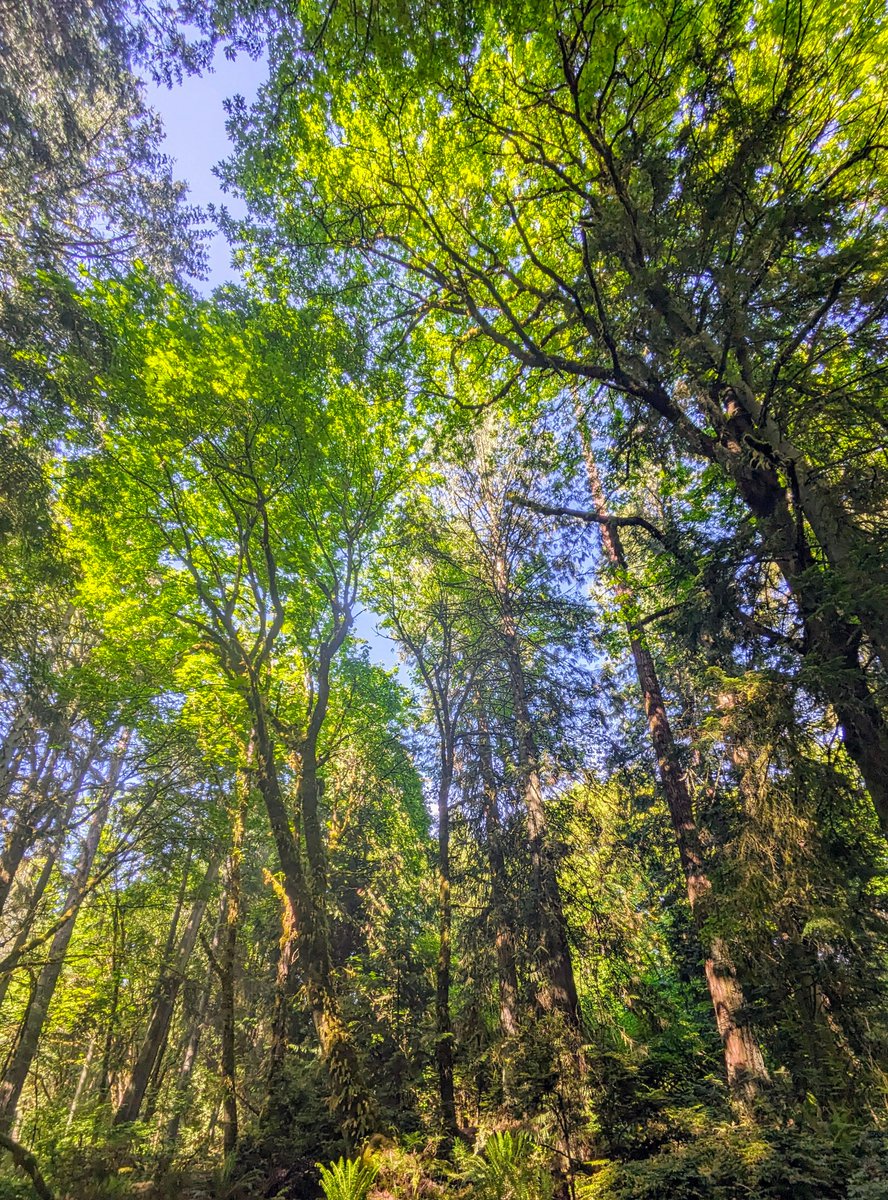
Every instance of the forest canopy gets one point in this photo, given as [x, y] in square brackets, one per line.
[444, 671]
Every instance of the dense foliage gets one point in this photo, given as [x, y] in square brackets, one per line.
[558, 366]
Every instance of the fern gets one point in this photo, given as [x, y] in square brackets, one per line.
[348, 1179]
[506, 1170]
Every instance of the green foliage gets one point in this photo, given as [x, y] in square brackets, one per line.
[16, 1189]
[507, 1169]
[811, 1161]
[348, 1179]
[561, 347]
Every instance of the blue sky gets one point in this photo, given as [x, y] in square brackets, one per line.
[194, 119]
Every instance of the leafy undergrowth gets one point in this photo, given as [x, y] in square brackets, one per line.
[729, 1162]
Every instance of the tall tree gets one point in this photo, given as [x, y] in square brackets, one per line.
[681, 205]
[245, 523]
[744, 1062]
[433, 633]
[47, 980]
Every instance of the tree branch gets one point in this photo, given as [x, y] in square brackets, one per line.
[25, 1161]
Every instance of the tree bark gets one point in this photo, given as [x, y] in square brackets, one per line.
[443, 1027]
[104, 1082]
[507, 971]
[783, 492]
[744, 1063]
[753, 438]
[36, 804]
[283, 1017]
[26, 1162]
[13, 750]
[81, 1081]
[44, 989]
[559, 993]
[350, 1096]
[162, 1012]
[27, 923]
[306, 894]
[17, 842]
[228, 954]
[832, 651]
[191, 1048]
[835, 601]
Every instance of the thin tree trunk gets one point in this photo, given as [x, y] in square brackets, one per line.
[504, 919]
[13, 750]
[104, 1082]
[81, 1081]
[169, 945]
[27, 924]
[17, 1071]
[155, 1083]
[37, 802]
[167, 992]
[30, 916]
[443, 1028]
[20, 837]
[744, 1064]
[186, 1070]
[559, 993]
[228, 955]
[192, 1043]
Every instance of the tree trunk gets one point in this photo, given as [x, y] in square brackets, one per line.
[283, 1017]
[43, 879]
[857, 559]
[104, 1083]
[169, 946]
[36, 804]
[167, 992]
[24, 931]
[81, 1081]
[155, 1083]
[186, 1070]
[832, 654]
[349, 1093]
[837, 602]
[228, 954]
[833, 636]
[783, 492]
[744, 1064]
[306, 893]
[503, 915]
[13, 750]
[559, 993]
[44, 989]
[17, 842]
[443, 1029]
